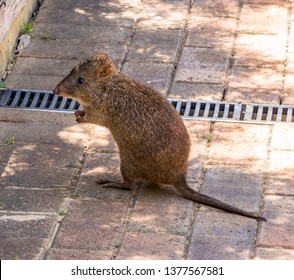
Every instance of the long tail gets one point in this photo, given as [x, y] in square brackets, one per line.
[190, 194]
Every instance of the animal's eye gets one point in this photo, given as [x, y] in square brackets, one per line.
[81, 81]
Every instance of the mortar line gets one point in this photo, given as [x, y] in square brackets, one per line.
[193, 218]
[75, 177]
[130, 39]
[263, 193]
[283, 247]
[180, 48]
[197, 207]
[205, 158]
[125, 223]
[286, 53]
[51, 57]
[27, 187]
[231, 60]
[27, 213]
[65, 204]
[54, 229]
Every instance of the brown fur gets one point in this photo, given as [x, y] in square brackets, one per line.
[153, 142]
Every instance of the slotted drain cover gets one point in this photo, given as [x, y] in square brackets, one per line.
[234, 112]
[37, 100]
[196, 110]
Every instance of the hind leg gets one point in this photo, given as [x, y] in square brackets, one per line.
[129, 178]
[125, 185]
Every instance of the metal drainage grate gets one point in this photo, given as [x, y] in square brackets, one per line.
[234, 112]
[37, 100]
[196, 110]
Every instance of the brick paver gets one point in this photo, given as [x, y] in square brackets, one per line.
[241, 51]
[211, 230]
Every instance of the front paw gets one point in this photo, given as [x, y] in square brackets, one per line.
[80, 116]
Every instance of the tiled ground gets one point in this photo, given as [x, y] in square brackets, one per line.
[241, 51]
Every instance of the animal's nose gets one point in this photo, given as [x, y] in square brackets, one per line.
[55, 91]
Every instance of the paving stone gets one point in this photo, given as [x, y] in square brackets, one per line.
[46, 73]
[41, 166]
[238, 144]
[102, 141]
[154, 45]
[273, 2]
[102, 34]
[46, 155]
[163, 15]
[30, 200]
[271, 19]
[238, 186]
[255, 85]
[291, 14]
[77, 49]
[254, 95]
[196, 158]
[149, 246]
[156, 75]
[235, 132]
[76, 254]
[278, 141]
[74, 136]
[287, 98]
[91, 224]
[114, 5]
[218, 8]
[77, 135]
[218, 235]
[200, 30]
[23, 81]
[216, 223]
[26, 225]
[5, 154]
[86, 16]
[260, 49]
[161, 211]
[32, 66]
[278, 231]
[204, 65]
[280, 177]
[197, 129]
[218, 248]
[197, 91]
[23, 236]
[280, 184]
[23, 175]
[257, 77]
[274, 254]
[20, 248]
[101, 166]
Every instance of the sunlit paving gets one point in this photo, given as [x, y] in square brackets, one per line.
[87, 135]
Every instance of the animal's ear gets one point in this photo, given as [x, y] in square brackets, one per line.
[104, 66]
[101, 57]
